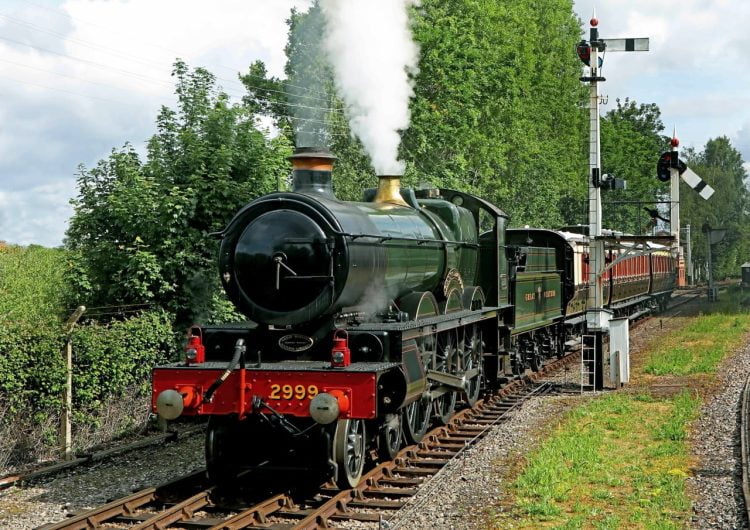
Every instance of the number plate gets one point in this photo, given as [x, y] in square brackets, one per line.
[282, 391]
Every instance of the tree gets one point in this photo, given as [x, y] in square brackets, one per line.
[140, 232]
[498, 104]
[632, 142]
[497, 108]
[721, 165]
[305, 106]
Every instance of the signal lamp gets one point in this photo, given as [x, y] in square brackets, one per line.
[610, 182]
[195, 351]
[584, 52]
[341, 355]
[663, 166]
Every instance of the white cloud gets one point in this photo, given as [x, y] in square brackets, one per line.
[36, 215]
[88, 75]
[742, 142]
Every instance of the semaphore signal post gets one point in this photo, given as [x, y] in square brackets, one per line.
[671, 169]
[597, 317]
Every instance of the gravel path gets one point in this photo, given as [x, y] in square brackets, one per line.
[49, 500]
[716, 482]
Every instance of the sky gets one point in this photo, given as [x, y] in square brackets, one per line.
[81, 77]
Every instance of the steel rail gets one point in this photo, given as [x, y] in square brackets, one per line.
[745, 441]
[464, 429]
[163, 438]
[431, 484]
[94, 518]
[124, 506]
[257, 514]
[178, 512]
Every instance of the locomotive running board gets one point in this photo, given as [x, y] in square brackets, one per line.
[431, 325]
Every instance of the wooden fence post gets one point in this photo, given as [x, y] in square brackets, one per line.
[65, 420]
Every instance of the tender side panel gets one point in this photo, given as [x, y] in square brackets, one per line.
[537, 300]
[537, 290]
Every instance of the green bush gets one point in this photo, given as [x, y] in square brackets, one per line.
[31, 291]
[31, 284]
[112, 361]
[111, 358]
[107, 359]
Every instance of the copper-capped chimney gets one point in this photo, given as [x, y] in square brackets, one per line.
[311, 170]
[389, 190]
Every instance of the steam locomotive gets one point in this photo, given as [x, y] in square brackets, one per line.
[369, 321]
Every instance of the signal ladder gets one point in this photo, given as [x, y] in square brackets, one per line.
[589, 355]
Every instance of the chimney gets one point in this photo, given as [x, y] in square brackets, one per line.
[389, 190]
[311, 171]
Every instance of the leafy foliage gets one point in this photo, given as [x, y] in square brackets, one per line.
[721, 165]
[497, 108]
[632, 142]
[109, 360]
[140, 231]
[30, 284]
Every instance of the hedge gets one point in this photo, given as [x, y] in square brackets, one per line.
[107, 360]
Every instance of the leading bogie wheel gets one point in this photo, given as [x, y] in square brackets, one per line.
[223, 452]
[391, 436]
[349, 450]
[416, 419]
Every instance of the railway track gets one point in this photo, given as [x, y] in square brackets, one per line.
[190, 502]
[57, 467]
[745, 443]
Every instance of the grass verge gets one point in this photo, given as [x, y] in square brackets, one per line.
[620, 461]
[700, 345]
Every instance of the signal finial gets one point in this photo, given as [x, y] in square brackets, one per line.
[674, 142]
[594, 21]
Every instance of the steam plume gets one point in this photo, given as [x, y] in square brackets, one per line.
[370, 46]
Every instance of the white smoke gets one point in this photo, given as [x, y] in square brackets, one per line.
[370, 45]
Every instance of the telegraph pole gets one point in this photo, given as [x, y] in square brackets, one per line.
[674, 199]
[597, 317]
